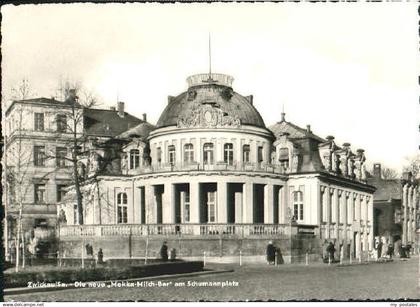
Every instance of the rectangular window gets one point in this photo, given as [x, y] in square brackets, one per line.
[298, 205]
[188, 153]
[134, 158]
[39, 155]
[39, 122]
[61, 123]
[187, 207]
[246, 153]
[39, 190]
[60, 156]
[171, 154]
[228, 153]
[208, 153]
[60, 192]
[211, 206]
[260, 154]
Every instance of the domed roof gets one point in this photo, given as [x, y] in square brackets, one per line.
[211, 93]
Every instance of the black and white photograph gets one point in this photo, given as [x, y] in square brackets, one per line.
[210, 152]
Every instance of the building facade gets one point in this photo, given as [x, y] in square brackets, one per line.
[210, 174]
[396, 203]
[38, 137]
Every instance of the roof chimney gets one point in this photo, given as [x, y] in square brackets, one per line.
[308, 128]
[250, 99]
[377, 170]
[330, 138]
[120, 108]
[112, 108]
[144, 117]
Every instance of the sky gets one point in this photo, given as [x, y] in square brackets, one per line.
[347, 69]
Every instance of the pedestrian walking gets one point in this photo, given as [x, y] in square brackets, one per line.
[271, 253]
[164, 251]
[390, 251]
[331, 251]
[379, 249]
[100, 256]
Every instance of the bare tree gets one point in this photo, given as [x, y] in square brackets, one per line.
[389, 173]
[81, 146]
[22, 90]
[18, 160]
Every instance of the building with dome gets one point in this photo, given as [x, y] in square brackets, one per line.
[210, 177]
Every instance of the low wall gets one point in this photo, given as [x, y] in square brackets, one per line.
[292, 249]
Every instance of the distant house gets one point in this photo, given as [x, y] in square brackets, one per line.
[395, 206]
[37, 134]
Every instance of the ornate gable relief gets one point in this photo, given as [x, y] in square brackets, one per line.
[207, 116]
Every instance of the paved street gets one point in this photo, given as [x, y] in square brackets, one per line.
[394, 280]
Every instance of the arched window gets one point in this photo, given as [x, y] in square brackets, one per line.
[208, 150]
[171, 154]
[188, 153]
[284, 157]
[246, 151]
[228, 153]
[298, 205]
[134, 158]
[122, 202]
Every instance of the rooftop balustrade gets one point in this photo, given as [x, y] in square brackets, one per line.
[218, 166]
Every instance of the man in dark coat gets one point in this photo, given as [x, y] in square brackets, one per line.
[271, 253]
[380, 244]
[331, 251]
[164, 252]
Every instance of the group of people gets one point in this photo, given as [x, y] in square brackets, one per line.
[164, 253]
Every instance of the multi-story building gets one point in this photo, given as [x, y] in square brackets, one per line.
[212, 177]
[38, 139]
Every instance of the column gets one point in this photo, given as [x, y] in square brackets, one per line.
[168, 204]
[329, 192]
[366, 214]
[324, 208]
[357, 208]
[336, 205]
[195, 205]
[369, 201]
[221, 202]
[268, 204]
[361, 200]
[357, 243]
[319, 206]
[414, 211]
[409, 213]
[248, 216]
[404, 205]
[282, 205]
[150, 204]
